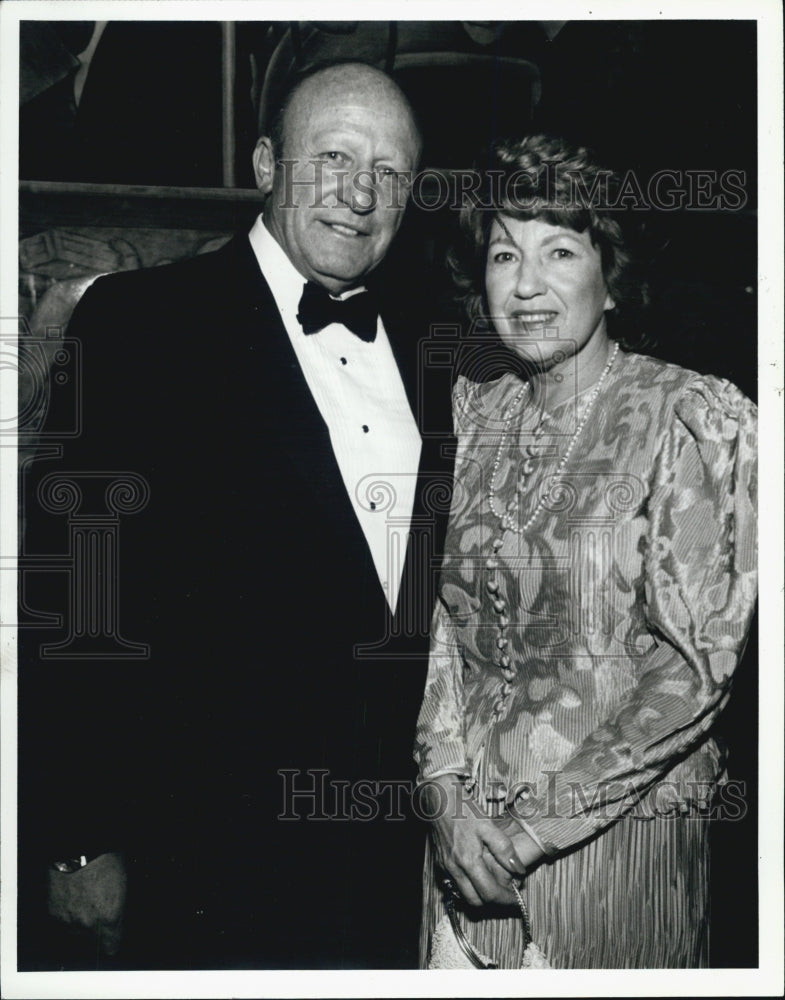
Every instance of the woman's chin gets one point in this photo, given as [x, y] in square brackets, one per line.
[541, 357]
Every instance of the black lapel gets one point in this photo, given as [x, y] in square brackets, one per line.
[299, 429]
[429, 398]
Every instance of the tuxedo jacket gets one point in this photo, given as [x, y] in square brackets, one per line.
[251, 696]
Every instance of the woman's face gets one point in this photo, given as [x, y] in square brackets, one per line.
[546, 290]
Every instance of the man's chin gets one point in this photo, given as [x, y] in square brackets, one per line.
[338, 277]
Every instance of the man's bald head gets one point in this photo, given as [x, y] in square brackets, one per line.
[339, 80]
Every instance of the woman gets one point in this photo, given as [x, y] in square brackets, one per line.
[596, 593]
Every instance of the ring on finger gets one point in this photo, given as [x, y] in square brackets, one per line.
[451, 888]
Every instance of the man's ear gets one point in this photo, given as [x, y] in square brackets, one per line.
[264, 164]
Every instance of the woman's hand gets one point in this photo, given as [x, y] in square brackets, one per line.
[527, 850]
[478, 855]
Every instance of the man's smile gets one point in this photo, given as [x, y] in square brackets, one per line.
[341, 229]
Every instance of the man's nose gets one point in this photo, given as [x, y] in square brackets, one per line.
[360, 191]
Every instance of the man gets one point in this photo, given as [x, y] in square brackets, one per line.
[254, 766]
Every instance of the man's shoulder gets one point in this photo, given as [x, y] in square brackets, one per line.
[206, 292]
[194, 274]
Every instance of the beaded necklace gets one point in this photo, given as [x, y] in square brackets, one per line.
[507, 518]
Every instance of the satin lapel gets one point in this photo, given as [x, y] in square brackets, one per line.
[431, 406]
[298, 427]
[403, 336]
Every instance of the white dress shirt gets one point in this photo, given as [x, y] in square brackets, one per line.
[358, 390]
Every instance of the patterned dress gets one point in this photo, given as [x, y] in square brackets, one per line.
[625, 608]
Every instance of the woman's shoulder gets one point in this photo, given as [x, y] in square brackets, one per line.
[474, 402]
[680, 390]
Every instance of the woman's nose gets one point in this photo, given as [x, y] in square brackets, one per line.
[529, 279]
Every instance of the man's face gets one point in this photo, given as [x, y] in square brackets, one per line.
[336, 208]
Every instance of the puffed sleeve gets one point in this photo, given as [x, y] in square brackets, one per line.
[700, 589]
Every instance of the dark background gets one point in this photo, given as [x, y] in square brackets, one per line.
[674, 95]
[678, 95]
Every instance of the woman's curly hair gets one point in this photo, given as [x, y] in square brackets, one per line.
[545, 177]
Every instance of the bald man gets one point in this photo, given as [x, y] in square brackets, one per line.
[254, 770]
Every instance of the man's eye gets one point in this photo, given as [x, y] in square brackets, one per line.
[562, 253]
[388, 174]
[334, 156]
[398, 180]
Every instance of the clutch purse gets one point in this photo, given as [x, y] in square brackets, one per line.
[451, 949]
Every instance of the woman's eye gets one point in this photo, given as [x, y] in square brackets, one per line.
[502, 257]
[562, 253]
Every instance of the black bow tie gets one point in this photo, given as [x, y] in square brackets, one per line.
[317, 310]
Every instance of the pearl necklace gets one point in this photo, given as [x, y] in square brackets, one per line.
[507, 518]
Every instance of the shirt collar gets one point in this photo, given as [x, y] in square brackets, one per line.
[285, 281]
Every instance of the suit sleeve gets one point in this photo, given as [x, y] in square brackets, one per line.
[80, 719]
